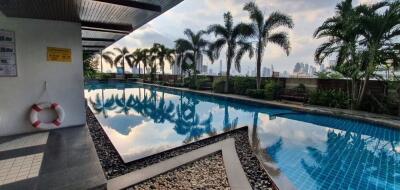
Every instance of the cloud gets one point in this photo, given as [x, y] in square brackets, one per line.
[198, 15]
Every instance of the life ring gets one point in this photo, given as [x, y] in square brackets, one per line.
[36, 108]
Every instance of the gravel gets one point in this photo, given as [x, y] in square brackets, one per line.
[205, 173]
[113, 166]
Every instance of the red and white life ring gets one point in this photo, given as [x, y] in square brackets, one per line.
[36, 108]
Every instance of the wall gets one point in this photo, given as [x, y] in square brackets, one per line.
[65, 81]
[310, 84]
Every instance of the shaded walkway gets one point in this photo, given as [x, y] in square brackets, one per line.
[59, 159]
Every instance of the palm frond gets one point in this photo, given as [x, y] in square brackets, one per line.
[255, 14]
[244, 48]
[277, 19]
[281, 39]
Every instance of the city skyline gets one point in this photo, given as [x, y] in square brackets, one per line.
[307, 17]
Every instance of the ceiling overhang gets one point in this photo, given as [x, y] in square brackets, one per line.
[103, 22]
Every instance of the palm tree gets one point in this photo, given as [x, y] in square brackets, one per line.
[122, 57]
[263, 30]
[360, 41]
[342, 42]
[138, 56]
[107, 56]
[153, 58]
[145, 60]
[184, 59]
[101, 105]
[179, 56]
[232, 37]
[195, 45]
[379, 28]
[164, 54]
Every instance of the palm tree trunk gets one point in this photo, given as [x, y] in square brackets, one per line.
[139, 69]
[163, 72]
[353, 93]
[182, 74]
[144, 72]
[369, 70]
[258, 67]
[195, 69]
[228, 70]
[254, 137]
[123, 66]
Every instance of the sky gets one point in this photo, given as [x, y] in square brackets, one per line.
[199, 14]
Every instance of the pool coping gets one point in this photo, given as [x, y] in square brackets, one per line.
[236, 176]
[384, 120]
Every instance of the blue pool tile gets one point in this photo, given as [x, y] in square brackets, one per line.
[314, 152]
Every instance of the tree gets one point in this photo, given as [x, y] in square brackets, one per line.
[140, 56]
[101, 105]
[89, 66]
[153, 58]
[263, 30]
[123, 55]
[184, 59]
[107, 56]
[234, 37]
[379, 28]
[145, 60]
[164, 54]
[195, 45]
[360, 42]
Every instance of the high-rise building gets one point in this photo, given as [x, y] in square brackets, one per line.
[266, 72]
[321, 67]
[204, 69]
[306, 69]
[210, 71]
[254, 73]
[285, 74]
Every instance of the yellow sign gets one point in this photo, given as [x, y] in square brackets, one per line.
[59, 54]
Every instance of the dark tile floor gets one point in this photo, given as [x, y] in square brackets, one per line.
[70, 162]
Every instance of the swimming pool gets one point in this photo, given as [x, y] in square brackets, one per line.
[308, 151]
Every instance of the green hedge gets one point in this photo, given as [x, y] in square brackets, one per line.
[219, 85]
[254, 93]
[272, 90]
[330, 98]
[241, 84]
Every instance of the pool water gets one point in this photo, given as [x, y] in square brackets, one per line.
[299, 150]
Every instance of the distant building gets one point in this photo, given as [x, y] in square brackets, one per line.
[254, 73]
[302, 70]
[321, 68]
[266, 72]
[306, 69]
[285, 74]
[312, 71]
[210, 71]
[204, 69]
[275, 74]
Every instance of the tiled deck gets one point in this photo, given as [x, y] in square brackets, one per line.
[59, 159]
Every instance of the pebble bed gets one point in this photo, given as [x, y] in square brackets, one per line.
[113, 166]
[205, 173]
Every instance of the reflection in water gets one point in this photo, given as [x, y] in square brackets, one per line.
[298, 149]
[101, 105]
[373, 162]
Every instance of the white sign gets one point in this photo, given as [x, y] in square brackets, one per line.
[8, 64]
